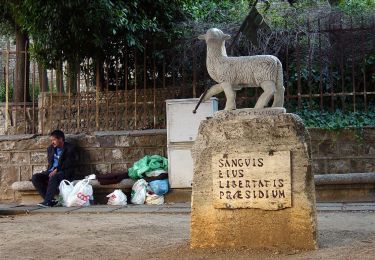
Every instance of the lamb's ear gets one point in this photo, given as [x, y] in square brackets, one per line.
[202, 37]
[227, 37]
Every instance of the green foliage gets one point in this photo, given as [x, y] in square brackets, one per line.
[2, 92]
[337, 119]
[357, 7]
[77, 29]
[33, 90]
[216, 11]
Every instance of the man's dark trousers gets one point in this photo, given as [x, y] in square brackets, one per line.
[47, 186]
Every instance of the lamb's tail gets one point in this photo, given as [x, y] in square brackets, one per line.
[278, 100]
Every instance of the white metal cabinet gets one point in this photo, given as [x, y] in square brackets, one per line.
[182, 129]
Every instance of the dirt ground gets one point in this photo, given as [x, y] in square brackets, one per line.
[342, 235]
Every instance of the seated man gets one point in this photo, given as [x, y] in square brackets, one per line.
[61, 161]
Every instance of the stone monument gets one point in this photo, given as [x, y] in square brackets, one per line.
[252, 184]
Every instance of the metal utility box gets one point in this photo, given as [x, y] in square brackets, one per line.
[182, 129]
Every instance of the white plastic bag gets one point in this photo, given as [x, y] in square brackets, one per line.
[154, 199]
[117, 198]
[80, 195]
[65, 188]
[138, 194]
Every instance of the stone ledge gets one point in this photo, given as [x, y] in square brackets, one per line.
[29, 195]
[348, 187]
[345, 178]
[131, 133]
[28, 185]
[16, 137]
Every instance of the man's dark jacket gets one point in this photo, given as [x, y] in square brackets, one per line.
[67, 161]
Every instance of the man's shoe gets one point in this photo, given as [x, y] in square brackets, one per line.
[45, 204]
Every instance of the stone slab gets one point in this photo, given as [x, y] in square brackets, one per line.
[137, 209]
[249, 113]
[59, 210]
[96, 209]
[252, 180]
[174, 210]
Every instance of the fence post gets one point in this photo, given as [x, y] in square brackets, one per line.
[7, 88]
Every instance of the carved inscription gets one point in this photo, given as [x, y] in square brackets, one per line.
[252, 180]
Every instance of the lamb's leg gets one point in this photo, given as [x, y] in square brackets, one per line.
[278, 99]
[269, 88]
[212, 91]
[230, 95]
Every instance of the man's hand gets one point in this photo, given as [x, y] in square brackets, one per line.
[52, 173]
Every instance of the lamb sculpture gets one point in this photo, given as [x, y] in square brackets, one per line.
[233, 73]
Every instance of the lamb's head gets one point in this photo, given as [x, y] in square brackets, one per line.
[214, 35]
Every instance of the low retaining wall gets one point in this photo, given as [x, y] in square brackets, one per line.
[333, 152]
[23, 155]
[343, 151]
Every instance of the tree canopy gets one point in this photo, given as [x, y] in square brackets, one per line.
[76, 29]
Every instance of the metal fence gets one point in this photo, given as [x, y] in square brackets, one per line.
[328, 65]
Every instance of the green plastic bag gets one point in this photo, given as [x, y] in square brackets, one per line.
[147, 164]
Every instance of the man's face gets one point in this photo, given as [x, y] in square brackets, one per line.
[56, 142]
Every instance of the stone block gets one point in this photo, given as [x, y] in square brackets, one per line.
[39, 168]
[114, 155]
[7, 145]
[119, 167]
[8, 175]
[102, 168]
[359, 165]
[368, 148]
[124, 141]
[319, 166]
[314, 149]
[106, 141]
[161, 140]
[146, 140]
[369, 164]
[43, 142]
[347, 149]
[87, 141]
[27, 144]
[152, 151]
[4, 157]
[25, 172]
[20, 158]
[338, 166]
[92, 156]
[132, 154]
[327, 148]
[231, 153]
[347, 135]
[317, 134]
[368, 134]
[38, 157]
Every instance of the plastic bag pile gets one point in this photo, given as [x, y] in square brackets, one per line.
[147, 164]
[152, 192]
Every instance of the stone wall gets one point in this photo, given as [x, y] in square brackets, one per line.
[23, 155]
[346, 151]
[343, 151]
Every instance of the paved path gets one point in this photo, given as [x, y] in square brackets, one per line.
[170, 208]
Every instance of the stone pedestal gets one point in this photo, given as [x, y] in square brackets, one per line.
[252, 184]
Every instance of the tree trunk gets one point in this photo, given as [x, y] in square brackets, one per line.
[72, 77]
[21, 88]
[43, 79]
[99, 74]
[59, 77]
